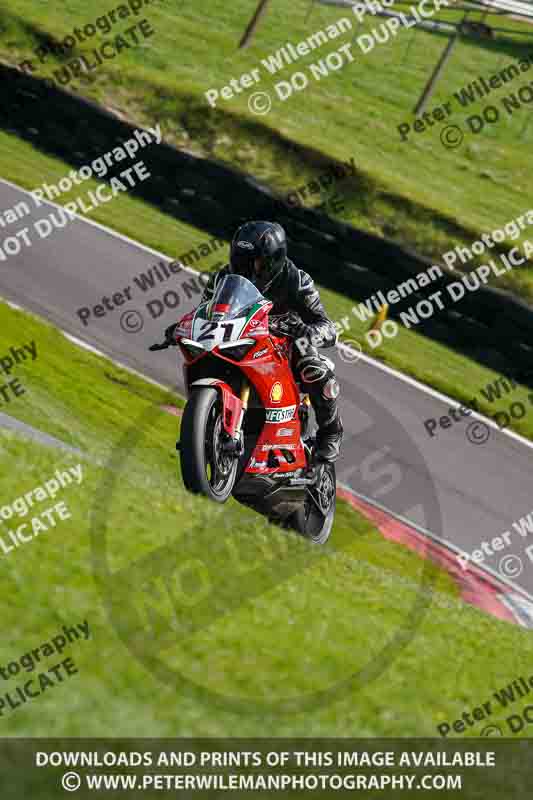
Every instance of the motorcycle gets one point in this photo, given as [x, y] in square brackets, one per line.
[246, 428]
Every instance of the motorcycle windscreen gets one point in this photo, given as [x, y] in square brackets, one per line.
[233, 297]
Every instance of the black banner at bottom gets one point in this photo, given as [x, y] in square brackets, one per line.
[213, 768]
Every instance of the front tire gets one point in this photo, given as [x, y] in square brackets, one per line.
[205, 468]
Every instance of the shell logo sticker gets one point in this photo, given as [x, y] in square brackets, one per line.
[276, 393]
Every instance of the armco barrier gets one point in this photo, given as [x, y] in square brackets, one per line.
[489, 325]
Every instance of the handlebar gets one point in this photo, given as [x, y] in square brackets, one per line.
[280, 333]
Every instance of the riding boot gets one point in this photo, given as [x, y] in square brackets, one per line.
[330, 430]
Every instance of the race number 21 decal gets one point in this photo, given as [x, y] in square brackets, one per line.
[209, 327]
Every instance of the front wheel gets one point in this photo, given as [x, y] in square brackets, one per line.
[205, 467]
[314, 519]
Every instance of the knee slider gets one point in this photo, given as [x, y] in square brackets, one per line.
[331, 389]
[313, 370]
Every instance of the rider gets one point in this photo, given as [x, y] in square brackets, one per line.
[259, 252]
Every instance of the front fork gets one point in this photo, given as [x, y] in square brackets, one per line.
[235, 444]
[303, 413]
[245, 397]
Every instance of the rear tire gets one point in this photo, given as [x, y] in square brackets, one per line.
[205, 468]
[310, 521]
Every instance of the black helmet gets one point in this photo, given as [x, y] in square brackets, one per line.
[258, 252]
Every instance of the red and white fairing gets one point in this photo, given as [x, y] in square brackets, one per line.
[266, 366]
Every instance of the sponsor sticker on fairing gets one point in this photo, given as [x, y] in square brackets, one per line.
[257, 332]
[254, 464]
[280, 414]
[276, 393]
[282, 446]
[285, 432]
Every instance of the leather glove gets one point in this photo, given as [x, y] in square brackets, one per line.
[169, 333]
[290, 325]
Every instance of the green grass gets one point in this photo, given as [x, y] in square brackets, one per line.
[141, 560]
[417, 192]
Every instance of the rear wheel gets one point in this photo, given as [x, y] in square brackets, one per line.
[205, 467]
[314, 519]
